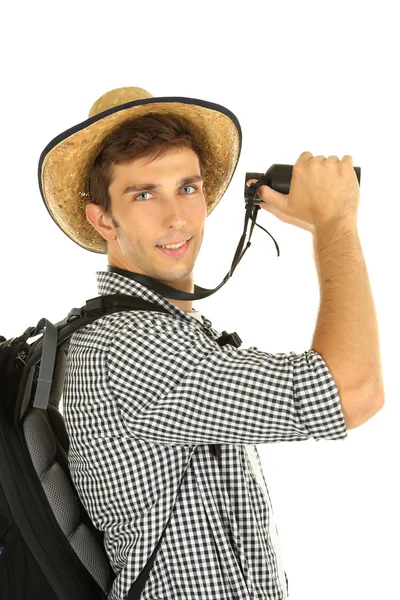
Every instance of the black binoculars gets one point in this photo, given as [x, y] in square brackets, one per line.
[278, 177]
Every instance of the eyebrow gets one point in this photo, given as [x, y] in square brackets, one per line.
[152, 186]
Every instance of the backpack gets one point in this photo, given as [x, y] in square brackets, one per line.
[49, 548]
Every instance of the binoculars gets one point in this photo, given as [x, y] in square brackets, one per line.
[278, 177]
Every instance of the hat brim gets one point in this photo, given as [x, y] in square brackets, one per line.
[65, 163]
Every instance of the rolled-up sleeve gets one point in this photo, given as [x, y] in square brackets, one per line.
[175, 390]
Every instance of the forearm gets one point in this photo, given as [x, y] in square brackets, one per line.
[346, 334]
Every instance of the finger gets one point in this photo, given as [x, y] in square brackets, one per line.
[333, 158]
[304, 157]
[347, 159]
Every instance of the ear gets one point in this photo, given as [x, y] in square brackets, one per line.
[101, 222]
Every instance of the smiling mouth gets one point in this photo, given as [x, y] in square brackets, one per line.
[178, 251]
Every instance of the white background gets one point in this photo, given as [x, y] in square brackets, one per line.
[299, 76]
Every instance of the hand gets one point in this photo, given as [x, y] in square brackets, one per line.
[321, 190]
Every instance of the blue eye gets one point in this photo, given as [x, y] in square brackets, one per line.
[187, 186]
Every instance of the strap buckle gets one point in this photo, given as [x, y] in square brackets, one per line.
[233, 339]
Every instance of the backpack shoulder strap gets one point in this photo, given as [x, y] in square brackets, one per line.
[56, 334]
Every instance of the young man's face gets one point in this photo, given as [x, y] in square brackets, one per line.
[152, 217]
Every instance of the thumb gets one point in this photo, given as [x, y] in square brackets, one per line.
[269, 195]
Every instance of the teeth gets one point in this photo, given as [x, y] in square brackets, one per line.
[175, 246]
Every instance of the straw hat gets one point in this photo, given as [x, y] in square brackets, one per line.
[65, 163]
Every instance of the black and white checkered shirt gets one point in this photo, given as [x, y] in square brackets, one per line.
[144, 392]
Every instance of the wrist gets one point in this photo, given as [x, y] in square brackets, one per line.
[345, 223]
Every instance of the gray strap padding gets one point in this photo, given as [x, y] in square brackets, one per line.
[46, 364]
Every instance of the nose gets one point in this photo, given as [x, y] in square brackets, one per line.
[175, 211]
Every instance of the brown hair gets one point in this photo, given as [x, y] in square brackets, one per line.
[152, 135]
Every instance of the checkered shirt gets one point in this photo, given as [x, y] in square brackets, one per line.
[145, 395]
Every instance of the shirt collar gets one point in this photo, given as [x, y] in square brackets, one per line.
[115, 283]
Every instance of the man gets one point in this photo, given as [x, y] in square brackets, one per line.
[147, 395]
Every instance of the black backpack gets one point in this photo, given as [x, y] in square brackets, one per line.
[49, 548]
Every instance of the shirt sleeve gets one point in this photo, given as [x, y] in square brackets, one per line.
[177, 389]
